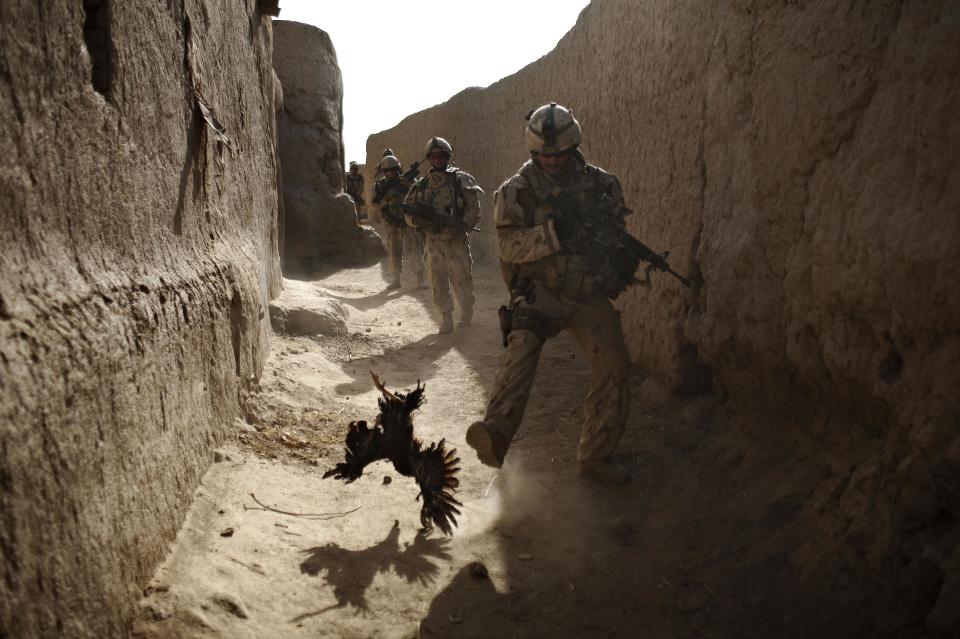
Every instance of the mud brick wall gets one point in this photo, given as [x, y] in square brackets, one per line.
[138, 248]
[320, 221]
[800, 162]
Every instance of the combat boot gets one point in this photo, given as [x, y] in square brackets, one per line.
[446, 323]
[395, 284]
[490, 445]
[466, 316]
[605, 471]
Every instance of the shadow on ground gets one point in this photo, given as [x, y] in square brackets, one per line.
[706, 541]
[351, 572]
[399, 367]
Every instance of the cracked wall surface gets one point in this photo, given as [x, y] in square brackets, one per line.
[138, 248]
[800, 162]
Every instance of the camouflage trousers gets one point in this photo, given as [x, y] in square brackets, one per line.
[404, 246]
[596, 326]
[450, 266]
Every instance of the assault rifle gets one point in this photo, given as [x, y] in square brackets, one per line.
[611, 254]
[412, 172]
[426, 213]
[383, 186]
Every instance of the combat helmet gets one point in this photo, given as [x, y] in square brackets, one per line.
[389, 162]
[438, 144]
[354, 164]
[552, 129]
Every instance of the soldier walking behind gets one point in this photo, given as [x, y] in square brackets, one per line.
[451, 199]
[404, 243]
[353, 184]
[553, 289]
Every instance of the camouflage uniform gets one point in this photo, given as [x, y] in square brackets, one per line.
[353, 185]
[449, 191]
[560, 295]
[402, 239]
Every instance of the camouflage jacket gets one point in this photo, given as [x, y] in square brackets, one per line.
[526, 238]
[449, 191]
[388, 195]
[353, 185]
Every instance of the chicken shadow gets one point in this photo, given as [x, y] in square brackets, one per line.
[351, 572]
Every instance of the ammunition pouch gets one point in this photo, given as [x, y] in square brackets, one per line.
[610, 262]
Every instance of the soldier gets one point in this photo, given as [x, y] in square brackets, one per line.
[552, 290]
[402, 240]
[379, 172]
[353, 185]
[453, 196]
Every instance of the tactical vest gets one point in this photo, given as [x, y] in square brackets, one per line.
[441, 190]
[393, 194]
[564, 273]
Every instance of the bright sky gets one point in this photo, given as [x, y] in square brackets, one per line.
[385, 48]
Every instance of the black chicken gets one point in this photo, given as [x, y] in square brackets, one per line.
[435, 467]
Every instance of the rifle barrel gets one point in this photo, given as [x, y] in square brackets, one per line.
[682, 279]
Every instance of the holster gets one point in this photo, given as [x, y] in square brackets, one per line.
[523, 319]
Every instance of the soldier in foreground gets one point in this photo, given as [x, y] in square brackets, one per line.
[445, 203]
[553, 287]
[404, 243]
[353, 184]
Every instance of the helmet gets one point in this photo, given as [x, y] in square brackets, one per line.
[354, 164]
[438, 144]
[389, 162]
[388, 151]
[552, 129]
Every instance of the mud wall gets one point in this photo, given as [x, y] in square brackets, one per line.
[320, 220]
[137, 252]
[800, 162]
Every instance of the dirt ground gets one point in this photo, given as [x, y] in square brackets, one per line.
[699, 544]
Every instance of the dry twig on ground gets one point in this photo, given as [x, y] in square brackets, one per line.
[263, 506]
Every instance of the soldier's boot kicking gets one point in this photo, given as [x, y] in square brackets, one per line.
[446, 323]
[490, 445]
[466, 316]
[605, 471]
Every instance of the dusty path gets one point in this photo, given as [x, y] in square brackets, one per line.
[694, 544]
